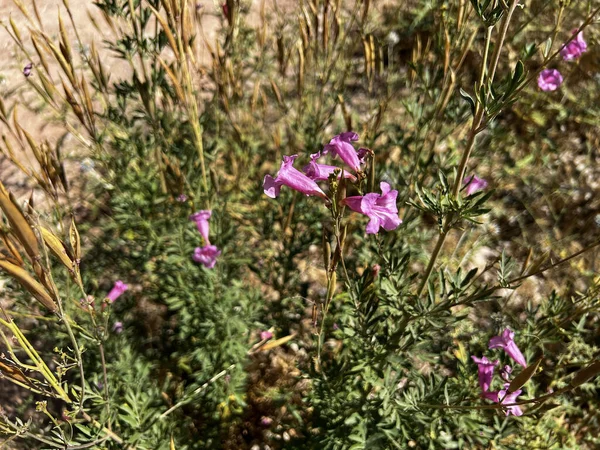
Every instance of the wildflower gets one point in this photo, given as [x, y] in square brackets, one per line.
[505, 372]
[485, 371]
[207, 255]
[375, 270]
[292, 178]
[182, 198]
[549, 80]
[575, 48]
[27, 70]
[201, 219]
[118, 327]
[116, 291]
[341, 146]
[506, 343]
[321, 172]
[381, 209]
[505, 398]
[266, 421]
[474, 184]
[264, 335]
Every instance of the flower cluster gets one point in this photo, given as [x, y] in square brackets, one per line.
[551, 79]
[486, 372]
[208, 254]
[381, 208]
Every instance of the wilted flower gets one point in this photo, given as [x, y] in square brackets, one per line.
[182, 198]
[321, 172]
[207, 255]
[575, 48]
[341, 146]
[118, 327]
[27, 69]
[381, 209]
[292, 178]
[474, 184]
[116, 291]
[505, 398]
[506, 343]
[264, 335]
[485, 371]
[225, 10]
[201, 218]
[549, 80]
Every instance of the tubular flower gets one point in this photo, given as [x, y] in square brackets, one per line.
[474, 184]
[116, 291]
[549, 80]
[506, 343]
[505, 398]
[207, 255]
[321, 172]
[485, 371]
[575, 48]
[292, 178]
[381, 209]
[341, 146]
[201, 218]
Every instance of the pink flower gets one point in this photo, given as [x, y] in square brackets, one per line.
[505, 372]
[485, 371]
[292, 178]
[321, 172]
[575, 48]
[207, 255]
[264, 335]
[201, 218]
[506, 343]
[116, 291]
[474, 184]
[381, 209]
[504, 398]
[27, 70]
[182, 198]
[118, 327]
[341, 146]
[549, 80]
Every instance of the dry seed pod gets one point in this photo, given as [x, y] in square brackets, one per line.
[332, 286]
[56, 247]
[13, 372]
[27, 281]
[19, 225]
[12, 249]
[75, 240]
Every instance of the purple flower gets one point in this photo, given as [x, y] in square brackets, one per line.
[201, 218]
[506, 343]
[321, 172]
[381, 209]
[549, 80]
[266, 421]
[182, 198]
[118, 327]
[474, 184]
[504, 398]
[575, 48]
[116, 291]
[485, 371]
[27, 70]
[207, 255]
[505, 372]
[341, 146]
[264, 335]
[292, 178]
[335, 326]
